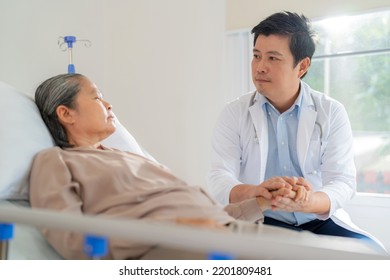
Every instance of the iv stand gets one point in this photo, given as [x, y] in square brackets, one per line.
[66, 43]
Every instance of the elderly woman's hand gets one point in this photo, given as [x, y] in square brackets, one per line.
[200, 222]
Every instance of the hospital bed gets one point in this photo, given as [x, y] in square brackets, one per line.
[23, 134]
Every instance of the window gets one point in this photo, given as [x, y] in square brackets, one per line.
[351, 64]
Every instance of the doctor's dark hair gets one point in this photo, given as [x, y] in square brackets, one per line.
[296, 27]
[58, 90]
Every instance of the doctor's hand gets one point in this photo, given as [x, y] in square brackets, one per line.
[245, 191]
[295, 199]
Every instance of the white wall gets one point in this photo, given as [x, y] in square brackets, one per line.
[29, 31]
[248, 13]
[372, 213]
[160, 63]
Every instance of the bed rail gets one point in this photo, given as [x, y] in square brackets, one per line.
[268, 245]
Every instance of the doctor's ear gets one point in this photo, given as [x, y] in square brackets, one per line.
[65, 115]
[303, 66]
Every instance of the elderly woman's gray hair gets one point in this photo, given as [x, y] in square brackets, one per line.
[58, 90]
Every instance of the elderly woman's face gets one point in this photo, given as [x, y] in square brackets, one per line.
[92, 118]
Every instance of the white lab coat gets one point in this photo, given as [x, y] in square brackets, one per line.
[324, 148]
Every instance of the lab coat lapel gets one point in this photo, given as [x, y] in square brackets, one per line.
[307, 119]
[260, 123]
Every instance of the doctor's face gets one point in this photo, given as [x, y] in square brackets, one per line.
[273, 71]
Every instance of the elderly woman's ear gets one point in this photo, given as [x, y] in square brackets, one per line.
[65, 115]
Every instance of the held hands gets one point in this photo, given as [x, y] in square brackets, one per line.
[289, 194]
[291, 202]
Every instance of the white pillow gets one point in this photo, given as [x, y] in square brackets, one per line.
[23, 134]
[122, 140]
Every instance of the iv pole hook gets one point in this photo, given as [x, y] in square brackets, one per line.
[69, 41]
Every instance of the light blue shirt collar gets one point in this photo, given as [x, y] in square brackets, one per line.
[263, 100]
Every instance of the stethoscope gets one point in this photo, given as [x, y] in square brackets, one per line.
[253, 100]
[317, 123]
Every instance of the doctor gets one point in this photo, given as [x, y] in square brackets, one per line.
[286, 129]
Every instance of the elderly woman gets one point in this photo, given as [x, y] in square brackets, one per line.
[81, 176]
